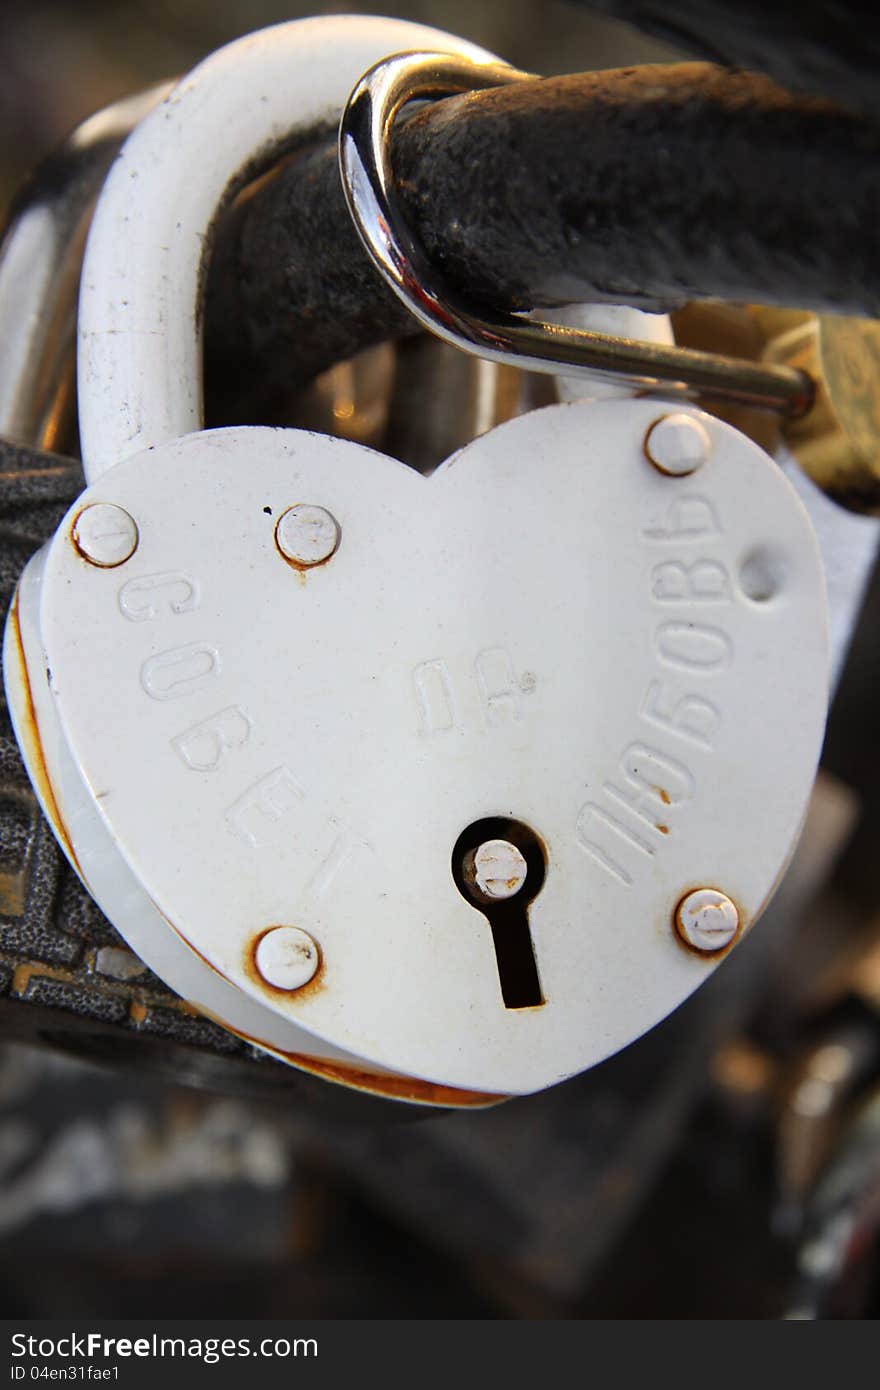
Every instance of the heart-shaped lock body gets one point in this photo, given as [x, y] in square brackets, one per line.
[549, 631]
[441, 787]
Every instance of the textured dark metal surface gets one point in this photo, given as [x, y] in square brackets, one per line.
[648, 186]
[822, 46]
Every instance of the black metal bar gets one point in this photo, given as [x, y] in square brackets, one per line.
[649, 186]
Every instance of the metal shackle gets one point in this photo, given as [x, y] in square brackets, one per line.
[139, 359]
[40, 263]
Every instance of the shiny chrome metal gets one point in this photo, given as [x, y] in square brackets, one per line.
[40, 260]
[364, 138]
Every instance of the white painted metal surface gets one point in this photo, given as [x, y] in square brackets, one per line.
[557, 634]
[618, 320]
[71, 810]
[848, 542]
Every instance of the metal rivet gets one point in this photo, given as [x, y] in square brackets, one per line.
[105, 535]
[496, 869]
[677, 444]
[287, 957]
[707, 920]
[307, 535]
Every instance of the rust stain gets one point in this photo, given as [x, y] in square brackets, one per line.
[25, 972]
[30, 733]
[307, 991]
[17, 474]
[664, 829]
[183, 1005]
[300, 569]
[395, 1087]
[376, 1083]
[385, 1085]
[664, 796]
[12, 894]
[138, 1007]
[196, 1010]
[742, 928]
[84, 555]
[382, 1084]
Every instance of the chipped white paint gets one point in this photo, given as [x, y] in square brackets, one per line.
[707, 920]
[118, 963]
[499, 869]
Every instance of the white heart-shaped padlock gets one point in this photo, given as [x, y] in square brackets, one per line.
[445, 786]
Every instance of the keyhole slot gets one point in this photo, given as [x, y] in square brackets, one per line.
[508, 917]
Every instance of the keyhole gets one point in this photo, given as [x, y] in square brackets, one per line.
[499, 866]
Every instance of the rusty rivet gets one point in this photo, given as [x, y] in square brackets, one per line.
[307, 535]
[496, 869]
[707, 920]
[287, 957]
[677, 444]
[105, 535]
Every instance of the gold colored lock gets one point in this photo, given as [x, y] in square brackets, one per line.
[837, 441]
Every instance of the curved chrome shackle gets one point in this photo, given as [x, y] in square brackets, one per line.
[367, 176]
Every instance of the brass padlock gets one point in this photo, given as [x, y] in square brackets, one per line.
[838, 441]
